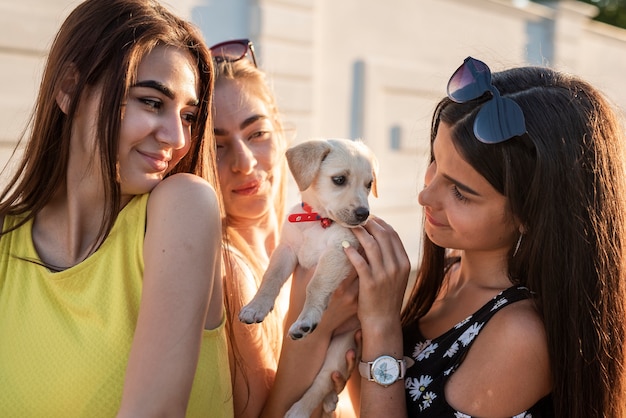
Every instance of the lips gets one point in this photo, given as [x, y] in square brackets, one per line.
[433, 221]
[158, 162]
[248, 188]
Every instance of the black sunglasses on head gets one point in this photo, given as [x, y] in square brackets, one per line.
[500, 118]
[233, 50]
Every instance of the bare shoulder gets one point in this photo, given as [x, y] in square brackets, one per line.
[507, 370]
[181, 209]
[184, 205]
[184, 189]
[518, 323]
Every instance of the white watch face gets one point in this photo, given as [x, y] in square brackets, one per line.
[385, 370]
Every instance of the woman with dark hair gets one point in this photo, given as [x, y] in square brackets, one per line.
[520, 299]
[110, 291]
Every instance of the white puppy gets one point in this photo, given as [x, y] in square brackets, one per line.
[335, 178]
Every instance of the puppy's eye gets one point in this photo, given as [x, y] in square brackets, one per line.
[369, 185]
[339, 180]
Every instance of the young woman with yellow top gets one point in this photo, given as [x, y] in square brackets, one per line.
[110, 291]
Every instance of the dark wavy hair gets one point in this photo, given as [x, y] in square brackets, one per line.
[102, 43]
[565, 181]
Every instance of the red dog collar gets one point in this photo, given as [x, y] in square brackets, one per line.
[309, 216]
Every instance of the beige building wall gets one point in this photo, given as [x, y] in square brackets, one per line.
[353, 68]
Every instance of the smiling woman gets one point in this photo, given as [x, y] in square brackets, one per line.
[476, 215]
[163, 103]
[252, 174]
[519, 303]
[110, 242]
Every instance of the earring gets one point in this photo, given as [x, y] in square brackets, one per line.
[519, 241]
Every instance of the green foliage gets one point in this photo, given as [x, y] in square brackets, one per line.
[612, 12]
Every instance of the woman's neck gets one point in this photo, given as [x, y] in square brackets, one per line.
[261, 235]
[469, 284]
[66, 230]
[485, 272]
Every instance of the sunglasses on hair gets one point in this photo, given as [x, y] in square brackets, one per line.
[234, 50]
[500, 118]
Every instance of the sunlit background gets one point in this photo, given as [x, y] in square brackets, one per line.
[370, 69]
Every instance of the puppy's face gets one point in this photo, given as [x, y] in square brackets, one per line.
[336, 177]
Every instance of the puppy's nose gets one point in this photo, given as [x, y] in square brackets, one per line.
[361, 214]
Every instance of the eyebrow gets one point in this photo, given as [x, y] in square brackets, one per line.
[249, 121]
[461, 186]
[157, 85]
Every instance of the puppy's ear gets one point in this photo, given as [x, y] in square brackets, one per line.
[305, 159]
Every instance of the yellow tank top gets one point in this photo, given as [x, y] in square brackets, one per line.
[65, 337]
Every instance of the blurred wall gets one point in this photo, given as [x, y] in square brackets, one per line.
[353, 68]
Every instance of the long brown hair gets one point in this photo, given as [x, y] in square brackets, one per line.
[102, 43]
[236, 248]
[566, 182]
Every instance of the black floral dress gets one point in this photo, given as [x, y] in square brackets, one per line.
[437, 359]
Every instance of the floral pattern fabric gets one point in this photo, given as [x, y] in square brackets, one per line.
[437, 359]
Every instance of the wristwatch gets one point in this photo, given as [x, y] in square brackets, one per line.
[385, 370]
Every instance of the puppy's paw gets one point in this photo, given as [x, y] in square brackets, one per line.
[299, 330]
[255, 311]
[305, 324]
[330, 402]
